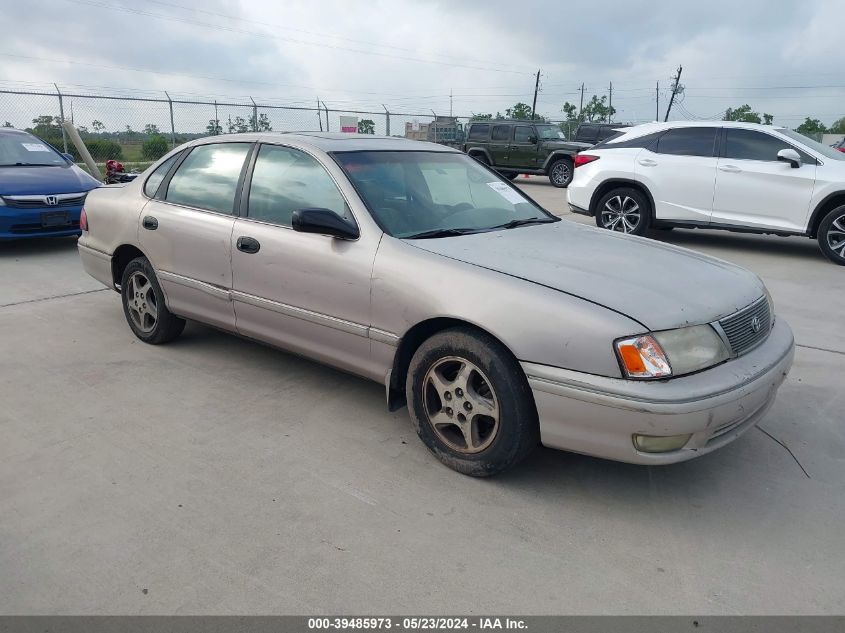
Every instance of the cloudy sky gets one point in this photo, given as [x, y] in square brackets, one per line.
[780, 56]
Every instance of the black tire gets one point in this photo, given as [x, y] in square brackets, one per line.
[560, 173]
[140, 302]
[831, 235]
[516, 431]
[608, 218]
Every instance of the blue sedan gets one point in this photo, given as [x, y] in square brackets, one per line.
[41, 190]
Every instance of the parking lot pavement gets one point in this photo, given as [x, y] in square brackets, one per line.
[216, 475]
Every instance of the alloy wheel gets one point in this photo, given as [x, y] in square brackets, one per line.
[560, 173]
[460, 405]
[621, 213]
[836, 236]
[141, 301]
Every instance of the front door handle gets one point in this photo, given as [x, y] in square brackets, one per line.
[149, 223]
[248, 245]
[647, 162]
[732, 169]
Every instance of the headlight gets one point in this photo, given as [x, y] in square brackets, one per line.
[671, 352]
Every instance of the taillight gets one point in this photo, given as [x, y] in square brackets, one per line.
[583, 159]
[83, 220]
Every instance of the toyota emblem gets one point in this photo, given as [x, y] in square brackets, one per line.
[756, 325]
[52, 201]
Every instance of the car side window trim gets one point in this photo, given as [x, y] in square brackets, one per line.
[161, 194]
[247, 185]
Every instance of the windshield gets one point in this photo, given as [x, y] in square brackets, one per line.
[24, 149]
[416, 193]
[550, 132]
[824, 150]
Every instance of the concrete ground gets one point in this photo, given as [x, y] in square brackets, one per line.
[215, 475]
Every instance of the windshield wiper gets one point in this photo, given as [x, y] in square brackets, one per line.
[440, 233]
[524, 222]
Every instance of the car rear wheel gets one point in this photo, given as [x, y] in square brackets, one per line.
[471, 403]
[481, 158]
[832, 235]
[560, 172]
[144, 306]
[624, 210]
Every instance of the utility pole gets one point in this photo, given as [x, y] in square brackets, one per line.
[657, 102]
[581, 109]
[610, 104]
[319, 114]
[450, 103]
[676, 88]
[536, 88]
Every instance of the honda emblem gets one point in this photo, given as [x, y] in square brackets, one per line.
[52, 201]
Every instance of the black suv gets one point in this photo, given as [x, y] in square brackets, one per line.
[593, 133]
[523, 147]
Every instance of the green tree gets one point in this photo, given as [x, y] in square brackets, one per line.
[98, 126]
[151, 129]
[263, 124]
[520, 111]
[745, 114]
[481, 117]
[154, 148]
[811, 127]
[239, 125]
[214, 128]
[7, 124]
[838, 127]
[596, 109]
[366, 126]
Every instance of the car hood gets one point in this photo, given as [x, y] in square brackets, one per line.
[659, 285]
[44, 180]
[566, 145]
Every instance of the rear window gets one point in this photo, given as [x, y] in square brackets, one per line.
[587, 133]
[479, 131]
[25, 149]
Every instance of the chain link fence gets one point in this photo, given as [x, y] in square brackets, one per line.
[139, 130]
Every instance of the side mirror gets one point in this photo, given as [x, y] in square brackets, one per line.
[68, 157]
[532, 139]
[323, 222]
[790, 156]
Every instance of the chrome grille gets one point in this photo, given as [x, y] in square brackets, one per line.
[40, 202]
[740, 330]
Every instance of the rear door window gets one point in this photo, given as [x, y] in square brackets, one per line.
[688, 141]
[501, 132]
[208, 177]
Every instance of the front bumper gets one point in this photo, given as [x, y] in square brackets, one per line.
[598, 416]
[24, 223]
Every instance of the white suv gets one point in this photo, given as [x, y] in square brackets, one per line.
[720, 175]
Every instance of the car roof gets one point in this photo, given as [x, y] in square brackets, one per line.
[331, 141]
[657, 126]
[511, 122]
[12, 131]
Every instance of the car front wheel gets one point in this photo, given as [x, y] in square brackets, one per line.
[624, 210]
[560, 172]
[144, 307]
[832, 235]
[471, 403]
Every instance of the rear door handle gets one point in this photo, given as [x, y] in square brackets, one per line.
[647, 162]
[248, 245]
[732, 169]
[149, 223]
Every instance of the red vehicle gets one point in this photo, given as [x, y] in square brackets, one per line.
[840, 145]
